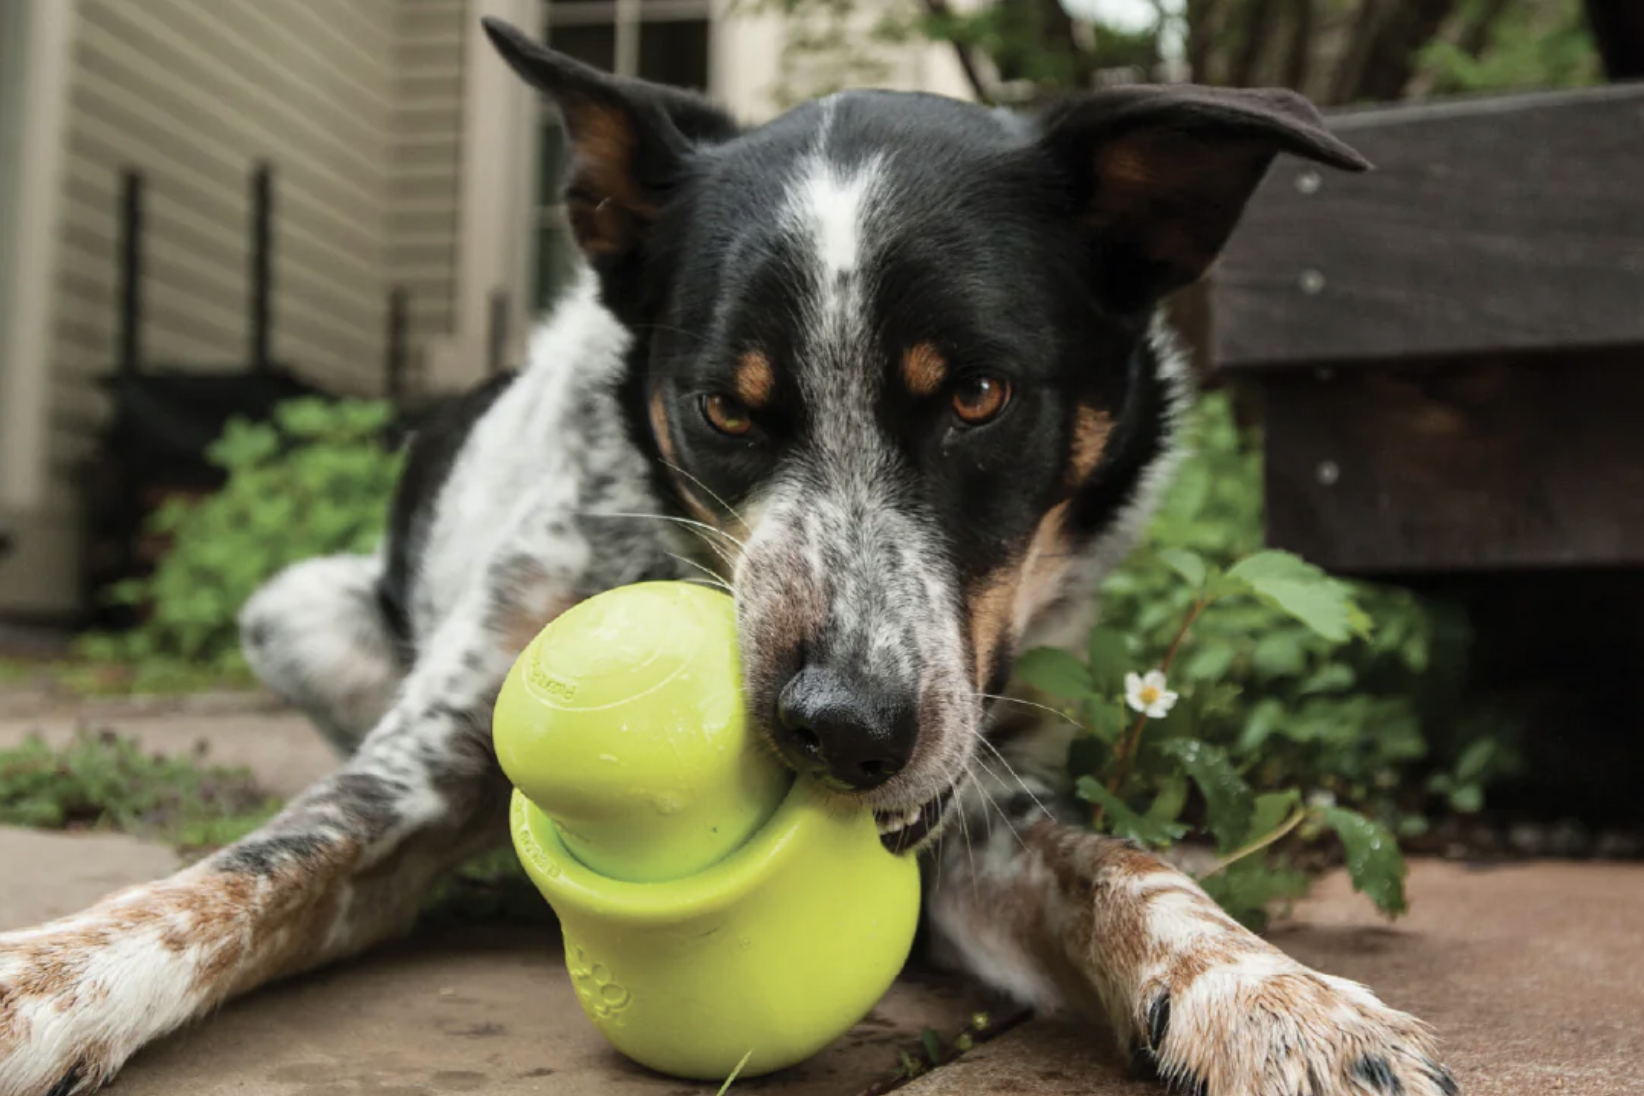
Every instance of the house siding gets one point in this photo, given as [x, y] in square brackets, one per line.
[425, 186]
[358, 108]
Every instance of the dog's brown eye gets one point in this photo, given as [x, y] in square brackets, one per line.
[727, 414]
[980, 399]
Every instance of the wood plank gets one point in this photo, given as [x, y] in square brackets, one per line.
[1497, 464]
[1500, 224]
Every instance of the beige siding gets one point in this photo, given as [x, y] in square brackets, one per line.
[192, 94]
[425, 186]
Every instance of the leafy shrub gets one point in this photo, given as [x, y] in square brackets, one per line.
[103, 781]
[1308, 705]
[316, 479]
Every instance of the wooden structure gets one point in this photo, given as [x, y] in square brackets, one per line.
[1450, 355]
[1451, 347]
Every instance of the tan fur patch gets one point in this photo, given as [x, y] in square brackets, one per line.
[1011, 594]
[1091, 430]
[755, 379]
[924, 370]
[992, 618]
[604, 198]
[662, 430]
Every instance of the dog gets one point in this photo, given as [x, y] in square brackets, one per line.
[891, 368]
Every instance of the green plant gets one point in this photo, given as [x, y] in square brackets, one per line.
[316, 479]
[1295, 719]
[1514, 44]
[104, 781]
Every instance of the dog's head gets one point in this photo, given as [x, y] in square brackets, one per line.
[898, 348]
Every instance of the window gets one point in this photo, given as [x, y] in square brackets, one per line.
[661, 40]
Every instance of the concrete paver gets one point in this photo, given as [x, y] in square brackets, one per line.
[50, 875]
[1530, 973]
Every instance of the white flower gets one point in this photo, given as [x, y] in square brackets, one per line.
[1147, 693]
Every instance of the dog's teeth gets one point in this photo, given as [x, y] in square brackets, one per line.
[890, 825]
[913, 816]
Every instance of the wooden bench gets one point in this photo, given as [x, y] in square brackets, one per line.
[1450, 349]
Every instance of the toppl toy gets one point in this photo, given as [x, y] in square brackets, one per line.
[714, 907]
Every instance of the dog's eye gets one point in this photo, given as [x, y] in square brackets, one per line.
[727, 414]
[980, 399]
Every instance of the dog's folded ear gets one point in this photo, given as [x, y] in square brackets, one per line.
[1161, 174]
[628, 139]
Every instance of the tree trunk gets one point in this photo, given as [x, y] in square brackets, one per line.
[1201, 30]
[1396, 47]
[1258, 28]
[967, 60]
[1298, 57]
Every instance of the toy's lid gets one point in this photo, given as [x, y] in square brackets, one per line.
[623, 721]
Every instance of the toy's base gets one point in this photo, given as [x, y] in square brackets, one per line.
[769, 955]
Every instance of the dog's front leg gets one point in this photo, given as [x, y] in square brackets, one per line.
[1059, 917]
[343, 866]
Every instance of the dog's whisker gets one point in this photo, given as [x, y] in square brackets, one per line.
[988, 797]
[1032, 704]
[729, 509]
[697, 335]
[700, 526]
[964, 827]
[719, 551]
[712, 579]
[1014, 775]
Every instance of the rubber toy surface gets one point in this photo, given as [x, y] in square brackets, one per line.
[712, 905]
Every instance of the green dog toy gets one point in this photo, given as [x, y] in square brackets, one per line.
[713, 907]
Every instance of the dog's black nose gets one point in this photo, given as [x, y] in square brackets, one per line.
[842, 730]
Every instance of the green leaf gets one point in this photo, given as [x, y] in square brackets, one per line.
[1267, 716]
[1271, 811]
[1332, 677]
[1105, 718]
[1292, 585]
[1189, 565]
[1053, 671]
[1475, 759]
[1110, 658]
[1467, 799]
[1246, 889]
[1374, 861]
[1228, 800]
[1208, 662]
[932, 1043]
[1280, 654]
[1124, 822]
[1167, 805]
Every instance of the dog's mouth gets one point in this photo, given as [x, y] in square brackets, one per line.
[904, 829]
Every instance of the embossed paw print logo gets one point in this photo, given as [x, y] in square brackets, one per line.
[603, 997]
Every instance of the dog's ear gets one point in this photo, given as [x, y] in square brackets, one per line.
[1161, 174]
[628, 139]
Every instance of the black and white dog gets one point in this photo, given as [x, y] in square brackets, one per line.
[890, 367]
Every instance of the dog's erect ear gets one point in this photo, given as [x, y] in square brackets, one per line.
[627, 137]
[1162, 173]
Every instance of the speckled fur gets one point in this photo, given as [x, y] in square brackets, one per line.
[549, 498]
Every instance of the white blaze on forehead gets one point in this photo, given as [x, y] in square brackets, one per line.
[831, 206]
[828, 211]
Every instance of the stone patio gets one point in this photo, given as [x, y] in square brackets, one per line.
[1529, 972]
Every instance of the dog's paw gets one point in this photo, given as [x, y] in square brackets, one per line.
[54, 1040]
[1266, 1026]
